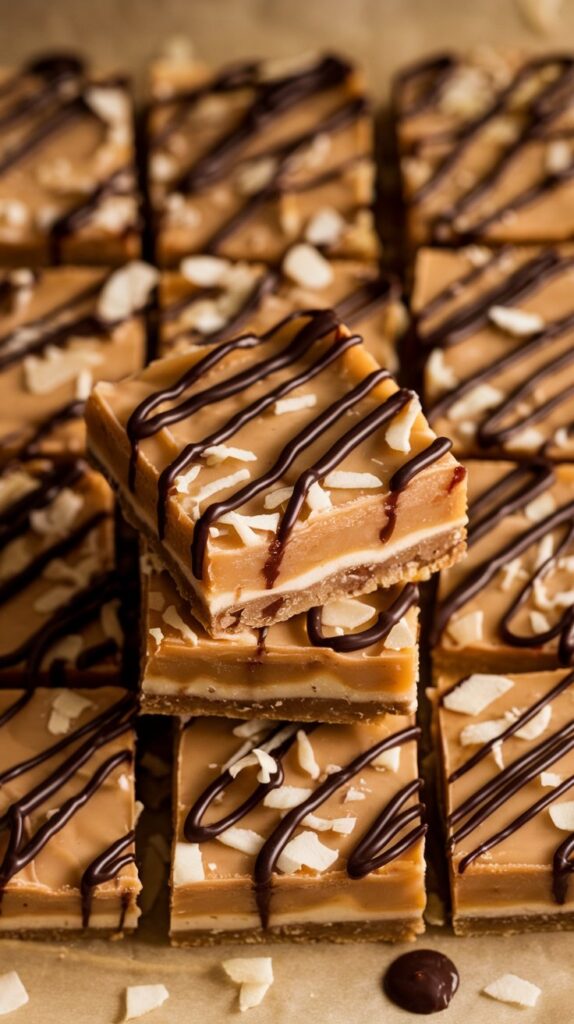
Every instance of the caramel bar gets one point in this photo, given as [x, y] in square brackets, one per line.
[351, 660]
[277, 473]
[211, 300]
[260, 155]
[486, 147]
[60, 329]
[67, 858]
[301, 832]
[508, 605]
[68, 186]
[59, 592]
[495, 328]
[508, 773]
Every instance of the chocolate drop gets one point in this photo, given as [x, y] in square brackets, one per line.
[423, 981]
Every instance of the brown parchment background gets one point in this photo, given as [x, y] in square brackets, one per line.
[84, 981]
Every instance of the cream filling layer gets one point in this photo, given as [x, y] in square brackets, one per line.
[66, 922]
[316, 915]
[323, 687]
[514, 910]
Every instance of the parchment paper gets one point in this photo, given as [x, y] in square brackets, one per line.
[84, 982]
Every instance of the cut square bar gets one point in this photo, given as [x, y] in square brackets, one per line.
[495, 329]
[486, 147]
[260, 155]
[60, 595]
[66, 776]
[361, 664]
[507, 775]
[62, 328]
[68, 185]
[508, 605]
[310, 832]
[278, 473]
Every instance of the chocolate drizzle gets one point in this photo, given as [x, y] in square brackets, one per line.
[378, 845]
[509, 495]
[540, 120]
[374, 634]
[103, 869]
[492, 795]
[22, 847]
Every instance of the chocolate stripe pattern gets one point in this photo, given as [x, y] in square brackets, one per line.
[378, 845]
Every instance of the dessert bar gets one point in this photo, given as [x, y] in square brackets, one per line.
[60, 596]
[508, 605]
[486, 147]
[210, 300]
[508, 770]
[302, 832]
[68, 187]
[495, 330]
[67, 856]
[273, 474]
[351, 660]
[62, 328]
[249, 160]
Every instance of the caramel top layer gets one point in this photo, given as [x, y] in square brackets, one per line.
[486, 142]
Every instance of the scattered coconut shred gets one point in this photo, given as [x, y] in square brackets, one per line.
[254, 975]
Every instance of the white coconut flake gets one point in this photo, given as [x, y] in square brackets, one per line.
[515, 321]
[482, 732]
[353, 795]
[217, 453]
[343, 826]
[537, 725]
[440, 375]
[187, 864]
[182, 482]
[306, 756]
[306, 850]
[477, 400]
[562, 815]
[306, 266]
[172, 618]
[278, 497]
[325, 227]
[317, 498]
[400, 637]
[253, 975]
[497, 753]
[530, 440]
[541, 507]
[126, 291]
[267, 765]
[245, 526]
[71, 704]
[388, 760]
[538, 622]
[208, 490]
[467, 629]
[550, 780]
[13, 995]
[252, 727]
[295, 404]
[476, 693]
[57, 518]
[511, 572]
[398, 434]
[204, 271]
[142, 999]
[285, 797]
[509, 988]
[349, 481]
[156, 634]
[243, 839]
[347, 613]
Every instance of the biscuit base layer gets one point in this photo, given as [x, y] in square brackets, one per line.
[298, 709]
[415, 564]
[513, 924]
[400, 930]
[64, 934]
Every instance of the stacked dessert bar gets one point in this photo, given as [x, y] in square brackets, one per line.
[289, 496]
[487, 161]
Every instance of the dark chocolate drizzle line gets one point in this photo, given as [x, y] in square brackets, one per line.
[511, 494]
[103, 729]
[493, 794]
[374, 634]
[118, 183]
[104, 868]
[66, 414]
[371, 852]
[550, 103]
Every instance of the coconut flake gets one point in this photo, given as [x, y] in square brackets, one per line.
[295, 404]
[482, 732]
[478, 399]
[252, 727]
[253, 975]
[400, 637]
[157, 635]
[245, 526]
[541, 507]
[398, 434]
[172, 618]
[351, 481]
[306, 850]
[142, 999]
[325, 227]
[346, 612]
[243, 839]
[476, 693]
[440, 375]
[208, 490]
[71, 704]
[538, 623]
[515, 321]
[343, 826]
[58, 516]
[267, 764]
[530, 440]
[285, 797]
[276, 498]
[126, 291]
[388, 761]
[353, 795]
[550, 780]
[217, 453]
[317, 498]
[306, 266]
[563, 815]
[467, 629]
[182, 482]
[537, 725]
[187, 864]
[204, 271]
[509, 988]
[13, 995]
[306, 756]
